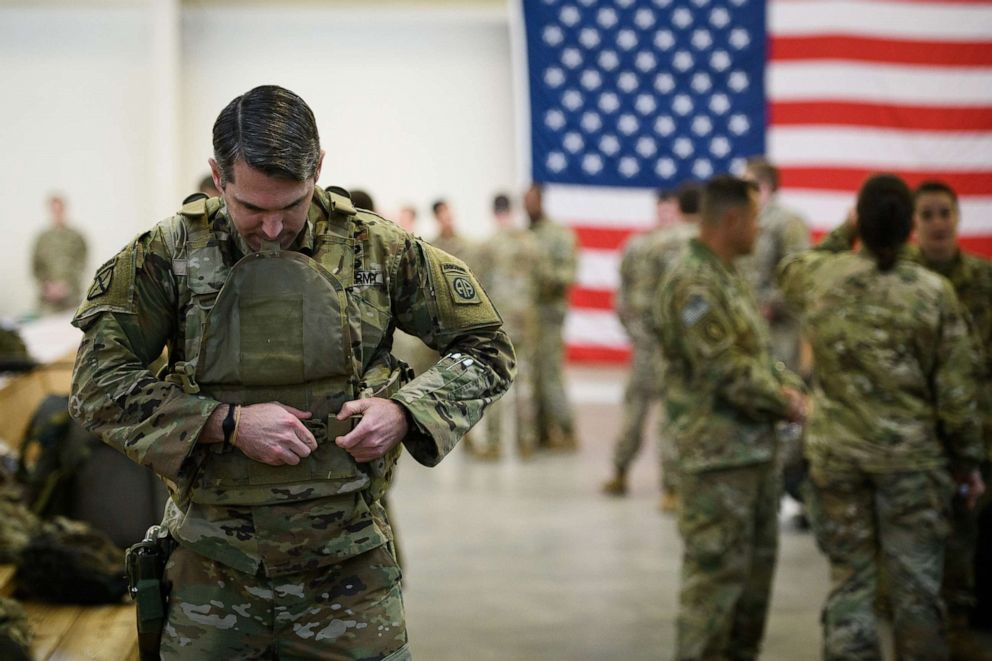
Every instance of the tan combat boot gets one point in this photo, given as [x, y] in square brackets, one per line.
[669, 502]
[618, 485]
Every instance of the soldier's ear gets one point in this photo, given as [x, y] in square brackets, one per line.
[320, 164]
[215, 174]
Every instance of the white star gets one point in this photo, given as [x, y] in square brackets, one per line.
[587, 3]
[738, 165]
[719, 146]
[644, 19]
[624, 4]
[569, 15]
[683, 60]
[556, 161]
[550, 2]
[646, 61]
[573, 142]
[664, 83]
[700, 3]
[627, 82]
[739, 38]
[719, 17]
[553, 35]
[665, 167]
[664, 126]
[645, 104]
[590, 122]
[682, 147]
[629, 167]
[663, 3]
[682, 17]
[554, 77]
[720, 60]
[591, 79]
[664, 39]
[607, 17]
[737, 81]
[646, 147]
[739, 3]
[702, 168]
[609, 60]
[739, 124]
[627, 39]
[554, 119]
[592, 163]
[682, 104]
[701, 82]
[609, 102]
[609, 145]
[572, 99]
[589, 37]
[571, 57]
[701, 39]
[719, 103]
[628, 124]
[701, 125]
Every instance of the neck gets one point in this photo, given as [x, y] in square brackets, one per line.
[715, 242]
[940, 256]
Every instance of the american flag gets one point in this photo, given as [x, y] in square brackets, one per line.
[628, 96]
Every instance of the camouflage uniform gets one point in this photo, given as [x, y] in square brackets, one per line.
[555, 274]
[782, 232]
[506, 269]
[273, 526]
[971, 277]
[893, 403]
[646, 260]
[15, 631]
[59, 256]
[723, 395]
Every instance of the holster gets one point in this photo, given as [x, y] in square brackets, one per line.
[145, 565]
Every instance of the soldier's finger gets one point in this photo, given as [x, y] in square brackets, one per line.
[353, 407]
[305, 435]
[351, 439]
[302, 415]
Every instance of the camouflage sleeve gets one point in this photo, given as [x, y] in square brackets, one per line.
[627, 294]
[558, 272]
[956, 405]
[438, 299]
[841, 239]
[713, 349]
[126, 319]
[794, 239]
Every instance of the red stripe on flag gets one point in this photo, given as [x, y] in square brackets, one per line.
[602, 238]
[593, 354]
[594, 299]
[893, 51]
[842, 113]
[850, 179]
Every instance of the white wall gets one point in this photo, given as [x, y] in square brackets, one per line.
[412, 104]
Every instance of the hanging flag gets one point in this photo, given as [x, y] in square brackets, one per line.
[629, 96]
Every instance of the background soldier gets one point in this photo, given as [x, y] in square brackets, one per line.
[448, 239]
[58, 261]
[279, 419]
[555, 275]
[724, 393]
[506, 269]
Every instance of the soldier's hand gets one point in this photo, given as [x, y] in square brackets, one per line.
[382, 426]
[972, 488]
[797, 405]
[273, 434]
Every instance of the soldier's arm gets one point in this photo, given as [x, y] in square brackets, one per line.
[841, 238]
[129, 314]
[559, 264]
[437, 298]
[715, 355]
[793, 240]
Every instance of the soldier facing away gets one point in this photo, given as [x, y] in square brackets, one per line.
[58, 260]
[281, 413]
[723, 395]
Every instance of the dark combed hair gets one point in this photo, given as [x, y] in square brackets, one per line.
[934, 186]
[885, 217]
[723, 192]
[689, 195]
[437, 204]
[271, 129]
[501, 203]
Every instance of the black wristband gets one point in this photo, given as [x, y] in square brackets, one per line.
[228, 425]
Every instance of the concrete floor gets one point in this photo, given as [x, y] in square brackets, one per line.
[516, 560]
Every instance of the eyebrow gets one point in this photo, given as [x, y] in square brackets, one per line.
[253, 207]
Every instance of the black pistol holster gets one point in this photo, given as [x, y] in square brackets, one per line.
[145, 565]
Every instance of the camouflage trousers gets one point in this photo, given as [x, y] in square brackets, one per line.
[896, 523]
[644, 389]
[729, 526]
[958, 589]
[351, 610]
[518, 405]
[553, 412]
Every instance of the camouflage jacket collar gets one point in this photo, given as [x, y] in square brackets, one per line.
[701, 252]
[304, 241]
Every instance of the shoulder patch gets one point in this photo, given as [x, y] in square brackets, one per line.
[460, 301]
[112, 289]
[694, 309]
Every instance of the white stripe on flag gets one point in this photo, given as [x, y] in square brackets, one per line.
[589, 205]
[597, 328]
[892, 20]
[598, 269]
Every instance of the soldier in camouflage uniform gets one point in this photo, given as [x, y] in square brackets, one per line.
[506, 269]
[645, 263]
[723, 395]
[936, 220]
[58, 260]
[279, 418]
[555, 275]
[894, 418]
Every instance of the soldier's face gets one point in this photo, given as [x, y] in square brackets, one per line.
[936, 220]
[746, 230]
[263, 207]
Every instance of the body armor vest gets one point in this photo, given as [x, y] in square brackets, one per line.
[274, 328]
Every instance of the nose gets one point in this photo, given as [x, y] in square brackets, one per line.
[272, 227]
